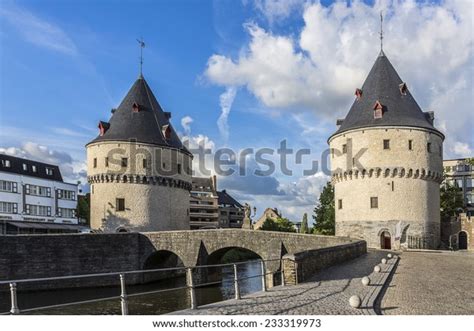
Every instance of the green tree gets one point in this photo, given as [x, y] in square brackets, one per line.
[280, 224]
[324, 214]
[451, 200]
[304, 224]
[83, 208]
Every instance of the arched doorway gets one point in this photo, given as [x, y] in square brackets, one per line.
[385, 240]
[462, 240]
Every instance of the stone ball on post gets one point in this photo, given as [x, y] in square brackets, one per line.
[377, 268]
[389, 255]
[355, 301]
[365, 280]
[384, 261]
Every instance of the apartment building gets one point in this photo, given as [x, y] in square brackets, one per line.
[35, 199]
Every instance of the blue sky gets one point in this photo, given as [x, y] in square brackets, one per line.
[287, 68]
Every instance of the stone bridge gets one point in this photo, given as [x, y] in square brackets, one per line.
[36, 256]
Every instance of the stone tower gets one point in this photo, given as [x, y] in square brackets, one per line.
[138, 170]
[386, 164]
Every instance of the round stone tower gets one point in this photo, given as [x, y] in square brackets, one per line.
[386, 164]
[138, 170]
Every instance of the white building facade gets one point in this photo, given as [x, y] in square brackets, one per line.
[34, 198]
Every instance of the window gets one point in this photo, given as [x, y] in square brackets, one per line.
[33, 168]
[66, 195]
[410, 145]
[469, 182]
[393, 186]
[25, 167]
[374, 202]
[38, 210]
[66, 213]
[179, 168]
[38, 190]
[8, 207]
[124, 162]
[428, 147]
[49, 171]
[386, 144]
[144, 163]
[106, 162]
[95, 162]
[344, 149]
[339, 204]
[120, 204]
[7, 186]
[6, 163]
[460, 168]
[458, 183]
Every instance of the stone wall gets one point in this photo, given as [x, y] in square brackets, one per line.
[301, 266]
[41, 256]
[156, 197]
[452, 229]
[405, 182]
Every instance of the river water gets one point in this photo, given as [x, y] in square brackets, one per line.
[148, 304]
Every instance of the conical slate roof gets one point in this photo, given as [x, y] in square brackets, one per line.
[399, 109]
[147, 123]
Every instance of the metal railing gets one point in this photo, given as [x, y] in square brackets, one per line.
[190, 285]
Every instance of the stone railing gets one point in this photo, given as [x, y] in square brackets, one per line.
[301, 266]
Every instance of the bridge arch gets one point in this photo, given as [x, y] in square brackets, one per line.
[162, 259]
[232, 254]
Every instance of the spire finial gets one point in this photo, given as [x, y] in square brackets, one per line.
[381, 32]
[142, 46]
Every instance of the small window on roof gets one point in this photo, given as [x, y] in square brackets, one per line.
[25, 167]
[33, 168]
[358, 93]
[49, 171]
[135, 107]
[378, 110]
[6, 163]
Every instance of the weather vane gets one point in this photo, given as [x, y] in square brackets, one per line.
[381, 31]
[142, 46]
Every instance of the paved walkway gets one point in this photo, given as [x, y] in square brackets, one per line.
[435, 282]
[327, 293]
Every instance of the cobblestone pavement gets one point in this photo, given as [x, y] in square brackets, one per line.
[327, 293]
[431, 283]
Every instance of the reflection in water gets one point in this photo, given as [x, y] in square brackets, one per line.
[149, 304]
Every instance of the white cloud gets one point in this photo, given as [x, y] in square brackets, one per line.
[226, 100]
[462, 149]
[275, 10]
[186, 124]
[429, 44]
[39, 31]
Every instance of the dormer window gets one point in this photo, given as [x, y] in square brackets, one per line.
[103, 127]
[166, 131]
[358, 93]
[6, 163]
[25, 167]
[378, 110]
[49, 171]
[403, 88]
[135, 107]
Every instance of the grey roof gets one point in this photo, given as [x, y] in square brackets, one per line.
[383, 85]
[225, 199]
[144, 126]
[16, 167]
